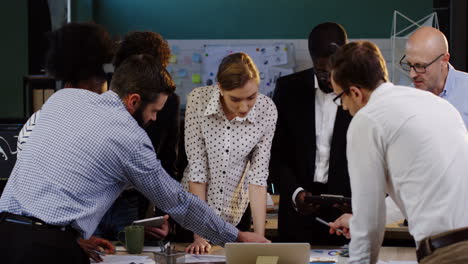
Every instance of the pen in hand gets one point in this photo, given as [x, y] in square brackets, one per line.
[327, 224]
[99, 252]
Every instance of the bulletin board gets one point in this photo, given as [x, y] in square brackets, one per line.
[191, 68]
[273, 61]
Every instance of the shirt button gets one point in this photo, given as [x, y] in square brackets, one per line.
[224, 172]
[227, 150]
[228, 127]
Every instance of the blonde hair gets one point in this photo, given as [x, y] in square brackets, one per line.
[236, 70]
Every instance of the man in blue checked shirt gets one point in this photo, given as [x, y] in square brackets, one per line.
[84, 152]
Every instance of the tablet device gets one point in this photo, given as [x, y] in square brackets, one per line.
[151, 222]
[330, 200]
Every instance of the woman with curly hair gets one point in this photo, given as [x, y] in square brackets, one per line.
[131, 205]
[76, 55]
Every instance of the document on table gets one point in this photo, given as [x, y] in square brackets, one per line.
[190, 258]
[397, 262]
[125, 259]
[145, 249]
[317, 255]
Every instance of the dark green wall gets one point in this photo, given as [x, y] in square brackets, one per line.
[14, 57]
[82, 10]
[197, 19]
[257, 19]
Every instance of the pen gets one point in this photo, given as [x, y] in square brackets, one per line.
[99, 252]
[327, 224]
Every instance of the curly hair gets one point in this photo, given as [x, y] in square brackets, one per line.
[77, 51]
[150, 43]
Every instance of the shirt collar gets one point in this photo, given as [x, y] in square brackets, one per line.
[214, 107]
[316, 82]
[448, 81]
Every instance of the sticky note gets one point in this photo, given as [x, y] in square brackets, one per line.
[173, 58]
[196, 58]
[267, 260]
[175, 49]
[178, 82]
[196, 78]
[182, 73]
[187, 60]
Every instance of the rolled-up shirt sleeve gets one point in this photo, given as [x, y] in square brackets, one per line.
[145, 172]
[258, 173]
[195, 143]
[367, 172]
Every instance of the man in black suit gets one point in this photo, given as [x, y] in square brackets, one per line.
[309, 148]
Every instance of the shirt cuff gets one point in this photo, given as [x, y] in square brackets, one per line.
[300, 189]
[229, 235]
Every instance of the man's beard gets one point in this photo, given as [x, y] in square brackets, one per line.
[138, 115]
[324, 86]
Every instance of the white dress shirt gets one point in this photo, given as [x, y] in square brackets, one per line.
[219, 151]
[325, 115]
[414, 146]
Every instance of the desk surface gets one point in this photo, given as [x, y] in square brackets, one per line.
[386, 253]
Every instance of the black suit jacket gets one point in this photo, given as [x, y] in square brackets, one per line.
[164, 134]
[293, 158]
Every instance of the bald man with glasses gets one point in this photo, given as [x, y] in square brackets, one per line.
[427, 61]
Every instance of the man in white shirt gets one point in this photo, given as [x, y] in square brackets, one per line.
[408, 144]
[427, 61]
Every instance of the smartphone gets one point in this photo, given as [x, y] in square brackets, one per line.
[330, 200]
[151, 222]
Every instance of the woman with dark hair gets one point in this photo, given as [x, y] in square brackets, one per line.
[229, 128]
[76, 55]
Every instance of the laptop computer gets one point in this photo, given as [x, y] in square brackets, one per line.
[247, 253]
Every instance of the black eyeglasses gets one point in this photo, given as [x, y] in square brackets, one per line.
[417, 67]
[337, 99]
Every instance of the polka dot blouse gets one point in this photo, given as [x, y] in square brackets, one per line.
[227, 155]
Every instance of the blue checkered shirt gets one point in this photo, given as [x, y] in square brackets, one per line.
[83, 152]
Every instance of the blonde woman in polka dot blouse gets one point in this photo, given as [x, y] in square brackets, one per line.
[229, 128]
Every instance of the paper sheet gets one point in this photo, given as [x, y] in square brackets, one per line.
[145, 249]
[324, 255]
[397, 262]
[126, 259]
[189, 258]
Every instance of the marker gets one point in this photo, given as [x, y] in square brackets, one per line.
[327, 224]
